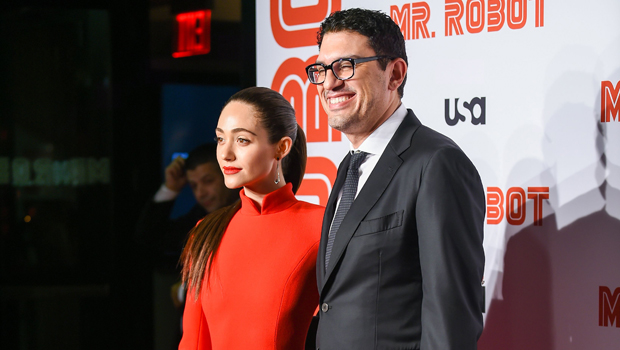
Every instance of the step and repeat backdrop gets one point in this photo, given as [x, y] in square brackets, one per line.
[530, 90]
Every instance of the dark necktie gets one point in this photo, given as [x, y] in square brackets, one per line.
[348, 195]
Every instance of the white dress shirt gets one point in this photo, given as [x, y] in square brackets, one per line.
[164, 194]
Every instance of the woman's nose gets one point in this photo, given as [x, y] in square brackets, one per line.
[225, 151]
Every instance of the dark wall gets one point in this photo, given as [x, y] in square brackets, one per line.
[80, 107]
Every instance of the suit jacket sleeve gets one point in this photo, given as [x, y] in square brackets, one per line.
[156, 230]
[450, 217]
[196, 335]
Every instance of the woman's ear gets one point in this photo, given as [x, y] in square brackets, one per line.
[284, 147]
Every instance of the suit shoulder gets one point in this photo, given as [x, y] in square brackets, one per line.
[432, 139]
[427, 143]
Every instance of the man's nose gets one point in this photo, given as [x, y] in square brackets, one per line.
[200, 191]
[331, 81]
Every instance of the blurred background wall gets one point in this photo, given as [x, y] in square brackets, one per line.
[92, 105]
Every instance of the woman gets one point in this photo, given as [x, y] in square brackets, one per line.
[250, 267]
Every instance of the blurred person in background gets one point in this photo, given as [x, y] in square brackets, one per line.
[166, 236]
[201, 171]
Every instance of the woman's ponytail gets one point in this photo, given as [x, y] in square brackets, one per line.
[294, 164]
[202, 244]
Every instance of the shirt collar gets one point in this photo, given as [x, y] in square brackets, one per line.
[274, 202]
[379, 139]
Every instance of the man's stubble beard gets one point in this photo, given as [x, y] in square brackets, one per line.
[344, 124]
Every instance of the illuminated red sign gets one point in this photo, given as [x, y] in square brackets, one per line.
[193, 33]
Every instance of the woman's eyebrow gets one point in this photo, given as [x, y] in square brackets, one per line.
[237, 130]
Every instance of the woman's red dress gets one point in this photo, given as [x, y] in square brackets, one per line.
[262, 290]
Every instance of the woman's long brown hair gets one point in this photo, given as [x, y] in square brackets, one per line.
[278, 117]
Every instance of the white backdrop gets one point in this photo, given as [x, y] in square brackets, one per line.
[538, 87]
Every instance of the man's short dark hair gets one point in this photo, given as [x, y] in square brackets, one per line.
[384, 36]
[205, 153]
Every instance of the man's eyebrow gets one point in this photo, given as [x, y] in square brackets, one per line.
[345, 56]
[237, 130]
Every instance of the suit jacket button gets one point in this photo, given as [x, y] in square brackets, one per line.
[324, 307]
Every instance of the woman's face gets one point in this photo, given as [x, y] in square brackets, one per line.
[244, 153]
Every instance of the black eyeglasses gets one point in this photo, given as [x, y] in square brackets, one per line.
[343, 68]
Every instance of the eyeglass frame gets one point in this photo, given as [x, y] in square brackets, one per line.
[354, 62]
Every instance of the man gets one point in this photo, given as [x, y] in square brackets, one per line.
[166, 236]
[402, 267]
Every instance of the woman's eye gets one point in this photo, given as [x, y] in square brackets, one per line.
[219, 139]
[242, 140]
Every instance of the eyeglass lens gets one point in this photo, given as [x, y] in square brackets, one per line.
[343, 69]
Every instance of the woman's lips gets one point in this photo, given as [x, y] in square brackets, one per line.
[229, 170]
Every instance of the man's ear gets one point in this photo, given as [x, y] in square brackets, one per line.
[284, 147]
[398, 73]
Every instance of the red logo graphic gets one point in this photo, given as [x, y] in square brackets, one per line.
[291, 81]
[610, 96]
[319, 179]
[193, 33]
[497, 12]
[608, 307]
[515, 204]
[412, 20]
[297, 26]
[496, 15]
[475, 16]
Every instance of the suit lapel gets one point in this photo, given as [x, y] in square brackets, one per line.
[365, 200]
[374, 187]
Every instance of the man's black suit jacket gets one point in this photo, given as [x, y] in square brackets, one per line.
[407, 263]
